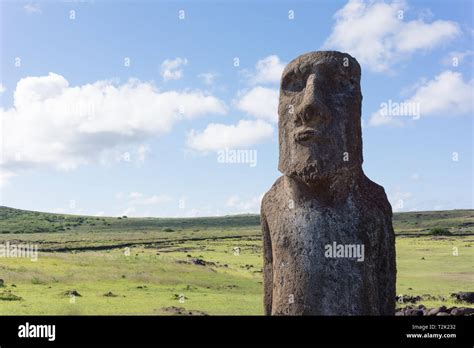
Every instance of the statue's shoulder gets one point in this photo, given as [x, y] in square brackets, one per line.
[271, 198]
[376, 194]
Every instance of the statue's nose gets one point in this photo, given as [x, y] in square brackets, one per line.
[311, 88]
[311, 104]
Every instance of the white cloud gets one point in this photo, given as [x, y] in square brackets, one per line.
[207, 78]
[425, 14]
[457, 57]
[417, 35]
[399, 199]
[151, 200]
[220, 136]
[137, 201]
[143, 151]
[55, 124]
[138, 198]
[445, 95]
[202, 212]
[260, 102]
[241, 206]
[191, 213]
[171, 68]
[2, 88]
[70, 211]
[377, 119]
[267, 70]
[130, 211]
[5, 177]
[377, 38]
[32, 8]
[135, 195]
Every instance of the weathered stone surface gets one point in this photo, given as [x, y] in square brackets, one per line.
[435, 311]
[439, 311]
[467, 296]
[324, 200]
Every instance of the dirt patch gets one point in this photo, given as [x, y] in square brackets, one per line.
[109, 294]
[197, 261]
[70, 293]
[173, 310]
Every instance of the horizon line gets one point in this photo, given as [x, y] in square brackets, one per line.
[201, 217]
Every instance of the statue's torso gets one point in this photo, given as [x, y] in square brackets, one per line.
[324, 256]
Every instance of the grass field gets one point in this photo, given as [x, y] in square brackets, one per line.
[172, 266]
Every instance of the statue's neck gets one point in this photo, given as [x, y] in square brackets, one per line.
[327, 191]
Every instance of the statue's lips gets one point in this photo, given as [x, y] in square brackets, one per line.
[306, 134]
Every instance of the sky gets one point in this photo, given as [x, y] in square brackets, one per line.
[169, 109]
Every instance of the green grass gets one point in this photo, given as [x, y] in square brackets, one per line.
[429, 265]
[158, 268]
[213, 289]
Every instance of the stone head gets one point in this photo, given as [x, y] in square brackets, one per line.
[319, 116]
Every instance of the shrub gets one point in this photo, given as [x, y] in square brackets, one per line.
[439, 232]
[8, 296]
[36, 281]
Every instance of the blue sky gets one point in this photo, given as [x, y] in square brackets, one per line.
[112, 108]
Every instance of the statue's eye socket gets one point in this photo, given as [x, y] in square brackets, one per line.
[293, 83]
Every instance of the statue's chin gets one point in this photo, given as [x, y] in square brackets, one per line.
[309, 174]
[313, 175]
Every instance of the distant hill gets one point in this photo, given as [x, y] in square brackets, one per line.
[17, 221]
[24, 221]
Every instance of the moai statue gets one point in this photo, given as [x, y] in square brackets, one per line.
[329, 246]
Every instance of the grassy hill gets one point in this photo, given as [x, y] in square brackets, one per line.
[23, 221]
